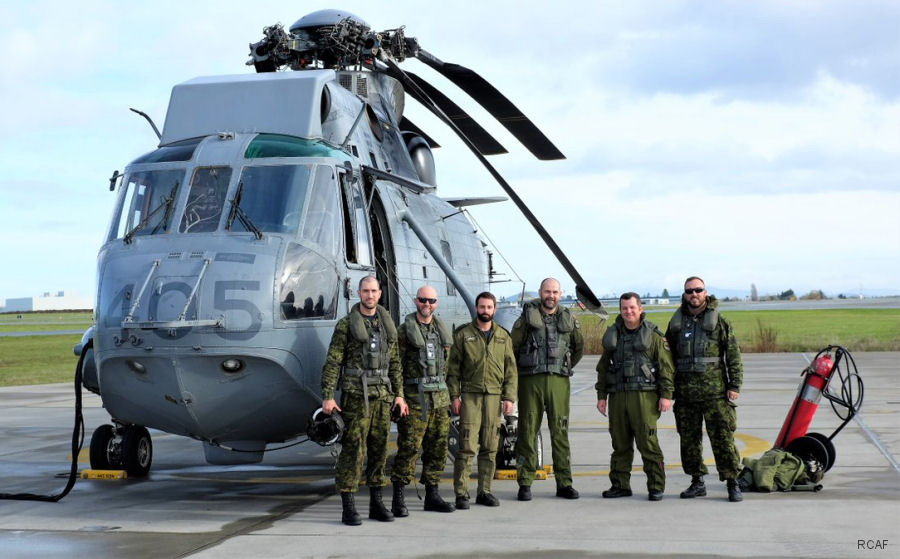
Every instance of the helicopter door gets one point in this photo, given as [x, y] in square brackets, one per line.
[385, 259]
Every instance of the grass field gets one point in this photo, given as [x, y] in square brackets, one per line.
[46, 359]
[791, 330]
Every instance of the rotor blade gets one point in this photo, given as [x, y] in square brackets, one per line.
[582, 291]
[407, 125]
[485, 143]
[497, 104]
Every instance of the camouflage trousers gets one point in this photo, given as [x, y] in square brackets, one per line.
[479, 432]
[633, 415]
[721, 421]
[430, 436]
[365, 435]
[537, 394]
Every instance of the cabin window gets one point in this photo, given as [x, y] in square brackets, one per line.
[176, 151]
[448, 256]
[278, 145]
[310, 286]
[272, 197]
[205, 199]
[322, 221]
[147, 202]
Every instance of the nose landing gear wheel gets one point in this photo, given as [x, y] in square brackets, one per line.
[101, 447]
[137, 451]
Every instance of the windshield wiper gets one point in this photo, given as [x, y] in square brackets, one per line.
[167, 203]
[237, 211]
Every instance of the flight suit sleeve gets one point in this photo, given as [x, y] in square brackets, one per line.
[454, 362]
[331, 371]
[511, 373]
[577, 344]
[733, 362]
[665, 375]
[602, 370]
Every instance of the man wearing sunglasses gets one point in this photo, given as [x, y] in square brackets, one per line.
[424, 344]
[548, 343]
[708, 375]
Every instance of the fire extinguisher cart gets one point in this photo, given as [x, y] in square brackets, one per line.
[816, 449]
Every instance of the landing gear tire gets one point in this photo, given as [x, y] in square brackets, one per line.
[137, 451]
[101, 447]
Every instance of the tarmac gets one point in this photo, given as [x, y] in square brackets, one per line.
[286, 506]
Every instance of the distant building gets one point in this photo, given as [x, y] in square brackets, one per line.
[61, 301]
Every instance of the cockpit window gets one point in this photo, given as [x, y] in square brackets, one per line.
[277, 145]
[205, 199]
[272, 197]
[176, 151]
[148, 201]
[322, 223]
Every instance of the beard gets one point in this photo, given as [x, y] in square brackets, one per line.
[549, 304]
[485, 317]
[368, 304]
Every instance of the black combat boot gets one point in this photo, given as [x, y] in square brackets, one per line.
[398, 505]
[434, 502]
[697, 488]
[349, 517]
[377, 510]
[734, 491]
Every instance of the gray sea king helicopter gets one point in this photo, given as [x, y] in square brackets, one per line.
[237, 243]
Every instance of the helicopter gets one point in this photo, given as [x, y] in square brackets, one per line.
[236, 244]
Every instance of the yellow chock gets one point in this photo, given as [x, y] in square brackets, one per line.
[548, 468]
[511, 474]
[104, 474]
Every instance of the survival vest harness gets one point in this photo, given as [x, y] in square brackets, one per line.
[375, 337]
[546, 348]
[630, 366]
[431, 345]
[693, 341]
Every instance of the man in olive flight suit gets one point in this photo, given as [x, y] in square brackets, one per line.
[548, 344]
[424, 343]
[635, 377]
[481, 377]
[363, 354]
[708, 375]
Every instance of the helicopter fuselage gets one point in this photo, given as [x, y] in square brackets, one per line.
[237, 244]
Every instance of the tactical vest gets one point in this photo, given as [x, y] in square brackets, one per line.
[375, 337]
[431, 345]
[692, 342]
[630, 366]
[546, 346]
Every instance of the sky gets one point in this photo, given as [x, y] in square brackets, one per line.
[750, 143]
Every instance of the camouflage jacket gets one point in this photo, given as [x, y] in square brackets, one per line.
[484, 367]
[346, 352]
[722, 369]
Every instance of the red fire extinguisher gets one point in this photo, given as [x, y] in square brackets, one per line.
[815, 380]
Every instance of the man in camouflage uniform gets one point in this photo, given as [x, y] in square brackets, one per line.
[708, 375]
[363, 354]
[481, 377]
[548, 344]
[634, 383]
[424, 343]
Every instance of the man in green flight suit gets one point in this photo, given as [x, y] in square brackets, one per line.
[634, 385]
[481, 377]
[708, 375]
[424, 343]
[364, 355]
[548, 344]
